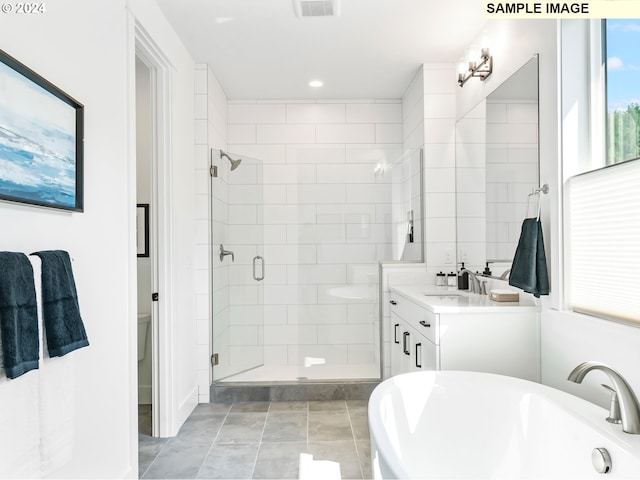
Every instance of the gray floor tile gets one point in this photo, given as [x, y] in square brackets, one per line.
[279, 460]
[178, 459]
[359, 424]
[249, 407]
[329, 426]
[242, 428]
[364, 455]
[229, 461]
[201, 429]
[289, 407]
[211, 409]
[148, 450]
[353, 405]
[328, 406]
[285, 427]
[343, 453]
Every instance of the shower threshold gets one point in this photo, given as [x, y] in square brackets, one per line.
[295, 383]
[297, 373]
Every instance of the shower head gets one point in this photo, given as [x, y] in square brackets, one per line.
[234, 163]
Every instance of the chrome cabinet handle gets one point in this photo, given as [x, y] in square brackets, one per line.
[395, 333]
[255, 262]
[425, 324]
[393, 302]
[417, 355]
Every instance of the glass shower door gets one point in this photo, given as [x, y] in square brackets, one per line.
[237, 264]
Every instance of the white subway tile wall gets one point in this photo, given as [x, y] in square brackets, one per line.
[428, 122]
[498, 168]
[326, 223]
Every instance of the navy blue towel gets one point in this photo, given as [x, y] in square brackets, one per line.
[18, 315]
[63, 325]
[529, 268]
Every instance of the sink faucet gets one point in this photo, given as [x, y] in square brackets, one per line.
[629, 406]
[474, 283]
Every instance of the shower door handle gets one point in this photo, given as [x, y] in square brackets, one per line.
[255, 263]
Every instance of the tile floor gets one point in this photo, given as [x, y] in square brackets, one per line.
[284, 440]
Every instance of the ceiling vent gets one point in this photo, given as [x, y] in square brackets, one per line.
[316, 8]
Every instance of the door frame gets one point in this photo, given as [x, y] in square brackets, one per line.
[162, 384]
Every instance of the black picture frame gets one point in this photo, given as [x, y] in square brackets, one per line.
[142, 229]
[41, 140]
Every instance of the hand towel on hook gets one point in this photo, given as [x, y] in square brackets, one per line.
[63, 325]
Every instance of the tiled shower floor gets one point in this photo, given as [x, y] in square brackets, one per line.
[286, 440]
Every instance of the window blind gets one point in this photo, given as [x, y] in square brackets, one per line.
[604, 242]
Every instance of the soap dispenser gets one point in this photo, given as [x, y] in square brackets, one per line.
[463, 279]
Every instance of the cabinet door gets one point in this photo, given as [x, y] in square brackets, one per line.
[423, 352]
[396, 344]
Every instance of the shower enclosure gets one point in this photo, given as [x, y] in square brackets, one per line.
[295, 253]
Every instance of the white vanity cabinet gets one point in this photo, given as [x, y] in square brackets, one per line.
[413, 347]
[463, 333]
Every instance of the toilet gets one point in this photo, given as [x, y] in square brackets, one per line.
[143, 327]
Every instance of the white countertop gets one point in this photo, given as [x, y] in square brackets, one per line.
[452, 300]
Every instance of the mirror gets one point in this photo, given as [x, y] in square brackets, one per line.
[497, 168]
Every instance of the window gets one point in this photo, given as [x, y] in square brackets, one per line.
[623, 89]
[604, 242]
[603, 214]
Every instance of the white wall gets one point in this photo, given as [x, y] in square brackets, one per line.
[87, 49]
[82, 48]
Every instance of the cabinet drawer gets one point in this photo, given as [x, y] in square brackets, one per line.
[422, 320]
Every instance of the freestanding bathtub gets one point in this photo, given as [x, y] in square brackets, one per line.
[468, 425]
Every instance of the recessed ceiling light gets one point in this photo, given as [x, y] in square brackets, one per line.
[315, 83]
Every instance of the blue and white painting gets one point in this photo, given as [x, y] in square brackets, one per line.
[37, 143]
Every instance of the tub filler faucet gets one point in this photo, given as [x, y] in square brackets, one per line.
[623, 398]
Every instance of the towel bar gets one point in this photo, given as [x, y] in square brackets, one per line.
[536, 191]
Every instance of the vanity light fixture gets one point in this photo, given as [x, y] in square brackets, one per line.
[315, 83]
[481, 70]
